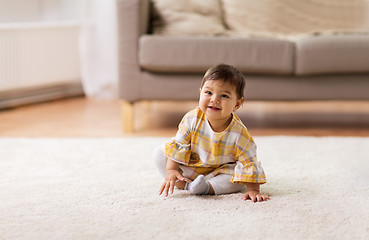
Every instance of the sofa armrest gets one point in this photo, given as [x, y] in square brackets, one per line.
[133, 21]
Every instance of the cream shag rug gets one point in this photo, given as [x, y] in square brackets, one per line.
[108, 189]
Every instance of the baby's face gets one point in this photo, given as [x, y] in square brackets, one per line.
[218, 100]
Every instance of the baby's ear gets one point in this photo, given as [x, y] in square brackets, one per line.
[238, 104]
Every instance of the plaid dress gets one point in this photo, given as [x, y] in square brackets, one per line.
[200, 150]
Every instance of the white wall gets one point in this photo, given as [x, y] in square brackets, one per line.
[39, 10]
[94, 43]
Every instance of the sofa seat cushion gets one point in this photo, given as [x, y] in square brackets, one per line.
[196, 54]
[332, 54]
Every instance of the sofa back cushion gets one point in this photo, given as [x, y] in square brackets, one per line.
[290, 17]
[187, 17]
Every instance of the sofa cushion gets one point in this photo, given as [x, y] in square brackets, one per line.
[197, 54]
[295, 17]
[332, 54]
[187, 17]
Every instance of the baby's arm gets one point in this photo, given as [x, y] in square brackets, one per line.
[253, 193]
[172, 175]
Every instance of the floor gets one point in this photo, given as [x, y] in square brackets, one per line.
[81, 117]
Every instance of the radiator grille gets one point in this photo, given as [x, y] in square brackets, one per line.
[38, 54]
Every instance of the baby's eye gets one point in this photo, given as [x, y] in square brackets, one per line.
[208, 92]
[225, 96]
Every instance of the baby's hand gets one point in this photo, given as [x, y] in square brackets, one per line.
[255, 196]
[170, 180]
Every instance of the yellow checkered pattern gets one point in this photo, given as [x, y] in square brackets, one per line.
[200, 150]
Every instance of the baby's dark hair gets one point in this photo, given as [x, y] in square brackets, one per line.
[227, 74]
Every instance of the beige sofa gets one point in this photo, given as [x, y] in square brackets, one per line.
[166, 62]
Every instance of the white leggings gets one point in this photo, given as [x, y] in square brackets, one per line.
[220, 183]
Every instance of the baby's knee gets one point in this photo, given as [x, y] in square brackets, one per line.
[160, 160]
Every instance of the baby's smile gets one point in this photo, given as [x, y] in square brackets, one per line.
[214, 108]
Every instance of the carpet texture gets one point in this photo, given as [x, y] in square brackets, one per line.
[108, 189]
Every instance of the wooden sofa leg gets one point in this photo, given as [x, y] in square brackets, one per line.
[127, 109]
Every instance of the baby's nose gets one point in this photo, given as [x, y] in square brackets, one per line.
[215, 99]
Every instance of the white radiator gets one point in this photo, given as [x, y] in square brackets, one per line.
[37, 57]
